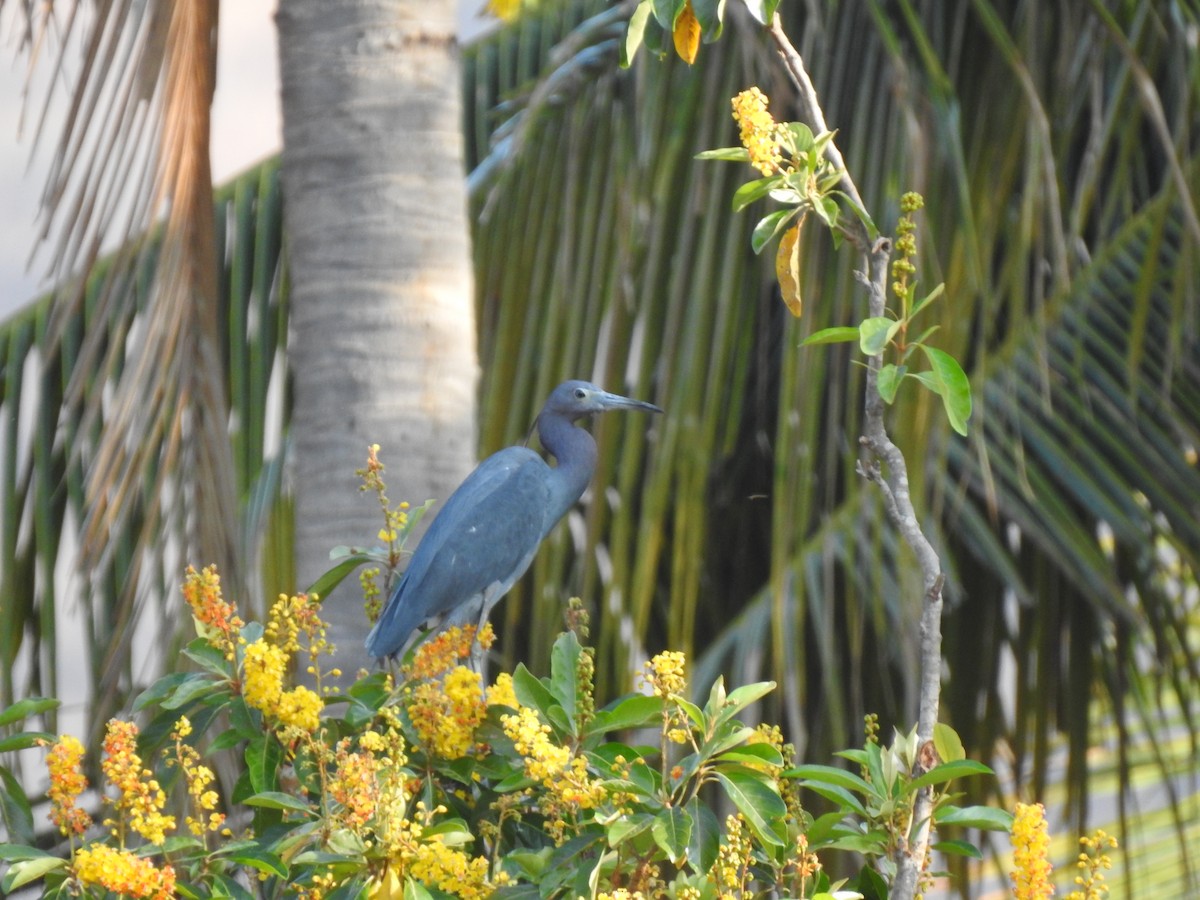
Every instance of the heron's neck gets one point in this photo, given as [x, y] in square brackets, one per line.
[575, 452]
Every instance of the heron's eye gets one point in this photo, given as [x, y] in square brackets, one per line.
[580, 393]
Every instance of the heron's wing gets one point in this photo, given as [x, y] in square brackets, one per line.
[486, 533]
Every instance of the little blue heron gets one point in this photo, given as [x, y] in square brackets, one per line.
[487, 533]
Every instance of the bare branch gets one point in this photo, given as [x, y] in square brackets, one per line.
[886, 467]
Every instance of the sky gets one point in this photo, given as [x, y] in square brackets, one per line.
[246, 127]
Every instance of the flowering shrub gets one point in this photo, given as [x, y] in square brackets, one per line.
[430, 783]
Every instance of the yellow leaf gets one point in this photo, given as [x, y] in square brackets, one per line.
[787, 268]
[687, 34]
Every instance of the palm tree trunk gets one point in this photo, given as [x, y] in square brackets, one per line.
[383, 343]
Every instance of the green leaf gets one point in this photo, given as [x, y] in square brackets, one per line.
[949, 771]
[754, 190]
[278, 800]
[23, 740]
[337, 573]
[875, 332]
[836, 335]
[890, 376]
[667, 11]
[564, 675]
[635, 33]
[30, 706]
[634, 711]
[988, 818]
[797, 137]
[819, 774]
[758, 9]
[704, 843]
[728, 154]
[414, 890]
[948, 744]
[15, 809]
[742, 697]
[771, 226]
[953, 387]
[624, 827]
[927, 299]
[531, 691]
[711, 16]
[196, 686]
[19, 852]
[672, 830]
[754, 755]
[758, 800]
[263, 756]
[22, 873]
[261, 861]
[958, 848]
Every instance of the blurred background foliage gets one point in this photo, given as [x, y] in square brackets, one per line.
[1055, 147]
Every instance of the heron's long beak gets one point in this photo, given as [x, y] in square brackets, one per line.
[606, 401]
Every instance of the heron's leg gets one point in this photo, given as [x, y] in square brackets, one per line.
[491, 594]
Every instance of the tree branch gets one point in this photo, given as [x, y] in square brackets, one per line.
[882, 453]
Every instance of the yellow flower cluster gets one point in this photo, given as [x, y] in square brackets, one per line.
[1031, 841]
[123, 873]
[758, 130]
[446, 712]
[444, 699]
[731, 871]
[1092, 862]
[67, 783]
[199, 780]
[563, 774]
[446, 649]
[664, 674]
[501, 693]
[216, 620]
[264, 669]
[428, 860]
[291, 617]
[355, 785]
[140, 799]
[265, 663]
[665, 677]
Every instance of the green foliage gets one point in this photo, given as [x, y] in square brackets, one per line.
[428, 786]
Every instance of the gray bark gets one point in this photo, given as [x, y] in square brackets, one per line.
[383, 346]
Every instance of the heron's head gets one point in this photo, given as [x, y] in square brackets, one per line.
[575, 399]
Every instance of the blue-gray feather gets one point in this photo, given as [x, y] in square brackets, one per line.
[485, 536]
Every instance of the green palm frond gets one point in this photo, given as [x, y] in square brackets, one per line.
[44, 483]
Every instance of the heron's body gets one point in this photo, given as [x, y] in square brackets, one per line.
[485, 536]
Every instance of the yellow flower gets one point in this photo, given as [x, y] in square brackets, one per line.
[140, 801]
[1092, 860]
[300, 708]
[758, 130]
[1031, 867]
[564, 775]
[445, 650]
[199, 780]
[665, 673]
[217, 620]
[446, 711]
[354, 786]
[262, 683]
[501, 693]
[731, 870]
[122, 872]
[67, 782]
